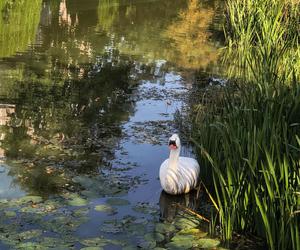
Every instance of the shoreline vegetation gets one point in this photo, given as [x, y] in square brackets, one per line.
[248, 136]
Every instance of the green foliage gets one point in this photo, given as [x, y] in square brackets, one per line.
[249, 135]
[262, 37]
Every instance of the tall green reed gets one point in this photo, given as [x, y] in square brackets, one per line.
[249, 136]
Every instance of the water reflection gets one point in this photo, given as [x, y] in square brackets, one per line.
[84, 105]
[8, 189]
[18, 25]
[171, 205]
[68, 95]
[190, 36]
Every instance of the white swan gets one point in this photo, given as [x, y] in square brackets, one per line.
[178, 175]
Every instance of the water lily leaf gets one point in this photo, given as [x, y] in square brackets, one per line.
[80, 212]
[164, 228]
[129, 248]
[104, 208]
[30, 234]
[147, 244]
[145, 208]
[84, 181]
[158, 237]
[91, 248]
[183, 223]
[183, 238]
[117, 202]
[77, 201]
[206, 243]
[30, 246]
[10, 213]
[177, 245]
[50, 242]
[136, 229]
[111, 227]
[31, 209]
[31, 198]
[193, 231]
[94, 242]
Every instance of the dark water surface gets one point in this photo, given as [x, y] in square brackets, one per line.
[88, 94]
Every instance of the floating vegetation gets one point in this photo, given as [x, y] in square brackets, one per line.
[145, 208]
[117, 202]
[106, 209]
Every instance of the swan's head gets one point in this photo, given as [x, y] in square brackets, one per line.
[174, 142]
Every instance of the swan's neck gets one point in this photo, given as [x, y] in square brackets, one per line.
[174, 158]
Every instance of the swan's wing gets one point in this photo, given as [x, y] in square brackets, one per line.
[189, 171]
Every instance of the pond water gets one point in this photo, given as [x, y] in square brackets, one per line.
[89, 93]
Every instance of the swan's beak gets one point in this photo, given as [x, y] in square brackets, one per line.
[172, 145]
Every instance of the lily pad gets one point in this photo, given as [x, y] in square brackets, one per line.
[179, 245]
[10, 213]
[193, 231]
[183, 238]
[30, 234]
[147, 244]
[91, 248]
[80, 212]
[77, 202]
[158, 237]
[111, 226]
[31, 198]
[94, 242]
[104, 208]
[206, 243]
[117, 202]
[164, 228]
[186, 223]
[30, 246]
[145, 208]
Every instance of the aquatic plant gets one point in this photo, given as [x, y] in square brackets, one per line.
[249, 135]
[262, 37]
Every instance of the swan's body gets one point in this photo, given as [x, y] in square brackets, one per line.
[178, 175]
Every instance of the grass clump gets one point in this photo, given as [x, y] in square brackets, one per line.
[250, 135]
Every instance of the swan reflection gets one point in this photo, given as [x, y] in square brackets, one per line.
[172, 205]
